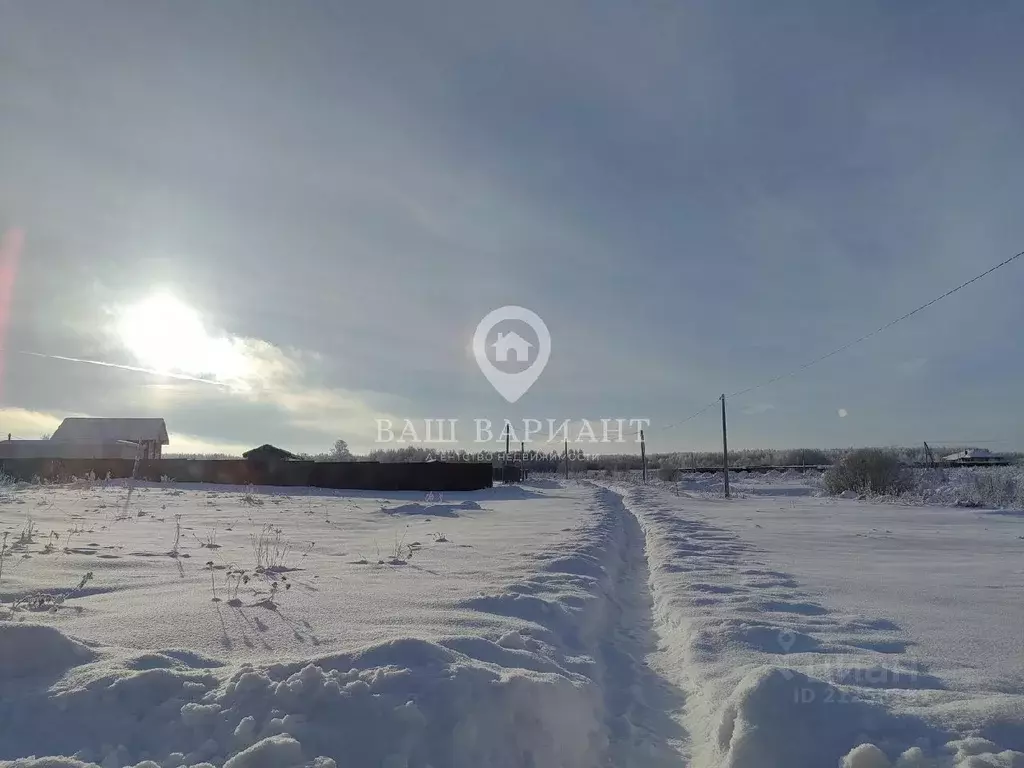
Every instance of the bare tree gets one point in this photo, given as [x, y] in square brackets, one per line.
[340, 451]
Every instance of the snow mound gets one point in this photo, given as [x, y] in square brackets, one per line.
[541, 667]
[866, 756]
[271, 752]
[430, 510]
[783, 676]
[463, 702]
[29, 650]
[46, 762]
[782, 717]
[423, 704]
[965, 753]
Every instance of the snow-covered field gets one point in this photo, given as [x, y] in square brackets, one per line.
[805, 626]
[554, 624]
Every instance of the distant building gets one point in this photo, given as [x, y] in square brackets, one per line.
[974, 456]
[87, 438]
[268, 452]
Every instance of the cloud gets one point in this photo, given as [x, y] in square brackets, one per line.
[167, 336]
[330, 412]
[190, 444]
[546, 173]
[843, 413]
[26, 424]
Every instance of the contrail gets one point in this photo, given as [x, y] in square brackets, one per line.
[137, 369]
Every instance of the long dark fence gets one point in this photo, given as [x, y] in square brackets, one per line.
[355, 475]
[507, 474]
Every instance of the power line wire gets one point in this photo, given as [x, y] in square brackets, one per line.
[846, 346]
[693, 415]
[877, 331]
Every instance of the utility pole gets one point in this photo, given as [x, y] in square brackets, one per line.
[522, 461]
[725, 450]
[643, 455]
[504, 468]
[567, 459]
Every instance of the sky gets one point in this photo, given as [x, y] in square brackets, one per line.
[303, 210]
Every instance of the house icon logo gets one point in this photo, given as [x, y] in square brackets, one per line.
[511, 351]
[511, 342]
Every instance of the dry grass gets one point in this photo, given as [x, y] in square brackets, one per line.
[177, 537]
[269, 549]
[209, 541]
[250, 498]
[3, 554]
[49, 603]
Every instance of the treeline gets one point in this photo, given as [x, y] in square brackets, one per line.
[541, 460]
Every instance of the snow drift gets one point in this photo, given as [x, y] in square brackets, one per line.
[538, 667]
[778, 678]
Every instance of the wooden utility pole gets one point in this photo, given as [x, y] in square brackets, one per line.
[643, 455]
[725, 450]
[567, 458]
[522, 461]
[504, 468]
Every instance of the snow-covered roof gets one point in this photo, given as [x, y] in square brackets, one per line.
[65, 449]
[970, 453]
[100, 430]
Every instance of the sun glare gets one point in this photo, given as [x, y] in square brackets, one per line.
[167, 335]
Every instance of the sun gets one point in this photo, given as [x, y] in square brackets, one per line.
[167, 335]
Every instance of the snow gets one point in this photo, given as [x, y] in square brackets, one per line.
[480, 645]
[551, 624]
[268, 753]
[28, 649]
[805, 627]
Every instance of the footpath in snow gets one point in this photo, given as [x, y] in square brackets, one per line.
[258, 628]
[564, 625]
[809, 631]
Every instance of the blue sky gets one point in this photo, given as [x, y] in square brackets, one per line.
[694, 196]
